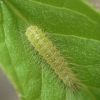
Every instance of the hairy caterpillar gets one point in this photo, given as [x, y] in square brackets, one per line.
[52, 56]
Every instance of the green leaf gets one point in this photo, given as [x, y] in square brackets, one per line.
[80, 6]
[76, 36]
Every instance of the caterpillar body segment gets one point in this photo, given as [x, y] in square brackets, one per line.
[48, 51]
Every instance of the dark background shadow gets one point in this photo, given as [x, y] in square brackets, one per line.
[7, 91]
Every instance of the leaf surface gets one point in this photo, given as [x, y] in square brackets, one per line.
[76, 36]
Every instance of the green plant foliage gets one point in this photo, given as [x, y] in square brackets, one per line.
[73, 26]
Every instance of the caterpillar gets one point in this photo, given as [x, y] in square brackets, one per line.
[51, 55]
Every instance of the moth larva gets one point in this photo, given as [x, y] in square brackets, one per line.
[52, 56]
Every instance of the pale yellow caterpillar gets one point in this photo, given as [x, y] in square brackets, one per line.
[48, 51]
